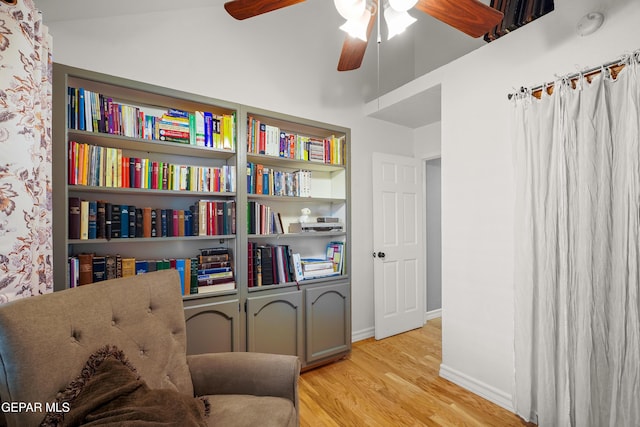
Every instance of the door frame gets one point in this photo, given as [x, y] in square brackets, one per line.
[424, 160]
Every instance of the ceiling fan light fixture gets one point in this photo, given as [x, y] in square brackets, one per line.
[402, 5]
[358, 27]
[350, 9]
[397, 22]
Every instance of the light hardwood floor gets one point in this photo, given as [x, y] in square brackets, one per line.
[394, 382]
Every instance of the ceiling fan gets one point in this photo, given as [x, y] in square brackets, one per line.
[469, 16]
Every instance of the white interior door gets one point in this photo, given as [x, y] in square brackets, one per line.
[397, 239]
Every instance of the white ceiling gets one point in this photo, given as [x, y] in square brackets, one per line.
[427, 44]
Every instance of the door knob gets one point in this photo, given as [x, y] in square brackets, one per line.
[381, 255]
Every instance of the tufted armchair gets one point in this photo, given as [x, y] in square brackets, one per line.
[46, 340]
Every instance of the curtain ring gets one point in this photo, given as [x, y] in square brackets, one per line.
[580, 81]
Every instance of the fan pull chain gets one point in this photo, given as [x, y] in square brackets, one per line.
[379, 41]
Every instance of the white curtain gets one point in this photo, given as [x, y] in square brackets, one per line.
[25, 152]
[577, 321]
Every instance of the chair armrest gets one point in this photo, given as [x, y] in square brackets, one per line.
[257, 374]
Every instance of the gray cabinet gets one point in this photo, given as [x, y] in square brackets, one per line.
[327, 321]
[212, 326]
[275, 324]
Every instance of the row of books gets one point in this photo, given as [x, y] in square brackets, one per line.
[206, 273]
[265, 180]
[108, 167]
[94, 112]
[276, 264]
[99, 219]
[262, 219]
[270, 140]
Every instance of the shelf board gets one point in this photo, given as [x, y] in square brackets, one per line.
[147, 191]
[210, 294]
[308, 234]
[148, 239]
[295, 199]
[299, 284]
[147, 145]
[284, 162]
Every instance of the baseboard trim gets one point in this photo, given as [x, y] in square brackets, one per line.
[363, 334]
[483, 390]
[433, 314]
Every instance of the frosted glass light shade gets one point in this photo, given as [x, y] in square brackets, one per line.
[350, 9]
[358, 27]
[402, 5]
[397, 22]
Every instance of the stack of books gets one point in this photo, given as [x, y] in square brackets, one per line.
[214, 271]
[313, 268]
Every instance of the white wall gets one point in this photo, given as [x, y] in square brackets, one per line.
[427, 141]
[478, 179]
[202, 51]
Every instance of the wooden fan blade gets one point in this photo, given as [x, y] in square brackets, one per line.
[469, 16]
[353, 50]
[243, 9]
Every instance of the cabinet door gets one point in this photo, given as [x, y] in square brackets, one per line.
[328, 321]
[274, 324]
[212, 327]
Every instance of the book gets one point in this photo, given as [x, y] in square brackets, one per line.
[315, 274]
[74, 271]
[139, 223]
[132, 221]
[193, 277]
[212, 270]
[85, 269]
[111, 270]
[124, 221]
[219, 275]
[108, 225]
[298, 274]
[84, 219]
[74, 217]
[221, 287]
[101, 220]
[115, 221]
[180, 266]
[335, 253]
[266, 263]
[156, 223]
[251, 264]
[142, 266]
[163, 223]
[128, 267]
[146, 222]
[99, 268]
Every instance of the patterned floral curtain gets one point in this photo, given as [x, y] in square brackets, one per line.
[25, 152]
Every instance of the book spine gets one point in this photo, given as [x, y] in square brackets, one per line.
[74, 217]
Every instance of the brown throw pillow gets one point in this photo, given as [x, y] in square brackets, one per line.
[109, 391]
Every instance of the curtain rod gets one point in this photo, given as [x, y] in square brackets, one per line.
[620, 62]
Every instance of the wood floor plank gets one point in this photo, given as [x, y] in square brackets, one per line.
[391, 383]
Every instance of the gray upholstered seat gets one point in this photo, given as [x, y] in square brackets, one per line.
[46, 340]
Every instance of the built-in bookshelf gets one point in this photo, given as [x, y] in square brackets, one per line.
[191, 178]
[296, 172]
[149, 175]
